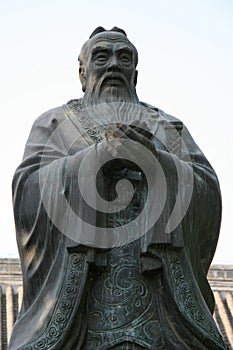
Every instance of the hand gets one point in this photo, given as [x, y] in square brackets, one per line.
[120, 130]
[138, 132]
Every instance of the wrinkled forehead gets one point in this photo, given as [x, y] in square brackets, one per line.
[110, 37]
[108, 40]
[110, 45]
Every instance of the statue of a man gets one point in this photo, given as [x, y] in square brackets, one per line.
[117, 215]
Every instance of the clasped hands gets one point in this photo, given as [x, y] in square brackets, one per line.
[125, 145]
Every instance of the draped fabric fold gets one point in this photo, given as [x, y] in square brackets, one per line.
[55, 260]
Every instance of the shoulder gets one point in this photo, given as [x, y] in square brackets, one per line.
[167, 117]
[54, 115]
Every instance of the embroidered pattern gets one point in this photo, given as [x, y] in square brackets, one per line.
[190, 305]
[96, 133]
[64, 307]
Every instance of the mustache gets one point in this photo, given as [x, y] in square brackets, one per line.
[113, 76]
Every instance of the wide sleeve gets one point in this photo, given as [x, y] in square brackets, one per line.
[44, 181]
[206, 204]
[193, 187]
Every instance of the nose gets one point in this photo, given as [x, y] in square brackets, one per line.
[113, 64]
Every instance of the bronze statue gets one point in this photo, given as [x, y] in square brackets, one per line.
[104, 267]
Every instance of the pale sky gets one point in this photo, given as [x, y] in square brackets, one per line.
[185, 68]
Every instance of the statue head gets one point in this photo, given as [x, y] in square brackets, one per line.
[107, 68]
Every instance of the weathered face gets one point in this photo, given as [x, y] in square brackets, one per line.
[110, 67]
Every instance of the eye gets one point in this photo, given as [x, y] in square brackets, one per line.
[101, 58]
[126, 59]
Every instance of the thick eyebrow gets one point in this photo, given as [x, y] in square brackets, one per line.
[98, 49]
[125, 49]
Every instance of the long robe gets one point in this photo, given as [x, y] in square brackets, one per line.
[56, 269]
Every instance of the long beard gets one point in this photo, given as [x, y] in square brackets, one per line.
[105, 90]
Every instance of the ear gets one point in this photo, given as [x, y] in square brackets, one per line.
[82, 77]
[135, 77]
